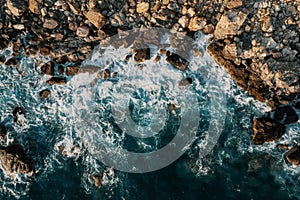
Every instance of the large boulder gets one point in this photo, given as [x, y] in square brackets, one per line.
[14, 160]
[293, 156]
[266, 130]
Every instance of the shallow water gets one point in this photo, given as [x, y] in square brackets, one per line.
[82, 114]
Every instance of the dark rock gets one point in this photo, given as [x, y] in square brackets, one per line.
[104, 74]
[293, 156]
[286, 115]
[57, 80]
[18, 111]
[72, 70]
[266, 130]
[185, 82]
[12, 61]
[48, 68]
[177, 61]
[14, 160]
[97, 180]
[142, 55]
[2, 132]
[61, 69]
[2, 59]
[44, 94]
[297, 105]
[17, 7]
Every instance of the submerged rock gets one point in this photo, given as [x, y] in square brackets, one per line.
[293, 156]
[178, 62]
[266, 130]
[97, 180]
[14, 160]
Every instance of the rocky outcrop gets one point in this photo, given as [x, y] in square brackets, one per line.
[266, 130]
[14, 160]
[293, 156]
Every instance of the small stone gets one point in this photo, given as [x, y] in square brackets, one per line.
[266, 24]
[197, 52]
[172, 107]
[183, 21]
[50, 24]
[208, 29]
[2, 59]
[12, 61]
[285, 115]
[191, 12]
[266, 130]
[142, 55]
[34, 6]
[18, 26]
[72, 70]
[57, 81]
[105, 74]
[185, 82]
[96, 18]
[196, 24]
[2, 132]
[82, 31]
[44, 94]
[234, 4]
[178, 62]
[17, 7]
[97, 180]
[293, 156]
[44, 50]
[142, 7]
[61, 69]
[18, 111]
[48, 68]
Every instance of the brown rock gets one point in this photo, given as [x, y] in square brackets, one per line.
[50, 24]
[14, 160]
[196, 24]
[34, 6]
[142, 55]
[48, 68]
[13, 61]
[17, 7]
[266, 130]
[266, 24]
[57, 80]
[229, 24]
[234, 4]
[97, 180]
[208, 29]
[185, 82]
[72, 70]
[82, 31]
[44, 94]
[142, 7]
[96, 18]
[2, 132]
[293, 156]
[178, 62]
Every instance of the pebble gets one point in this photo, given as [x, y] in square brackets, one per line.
[82, 31]
[142, 7]
[50, 24]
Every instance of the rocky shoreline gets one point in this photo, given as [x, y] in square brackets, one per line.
[257, 42]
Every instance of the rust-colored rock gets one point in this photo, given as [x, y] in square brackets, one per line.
[48, 68]
[72, 70]
[96, 18]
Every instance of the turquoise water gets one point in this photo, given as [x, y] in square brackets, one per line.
[78, 115]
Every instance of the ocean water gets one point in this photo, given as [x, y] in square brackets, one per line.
[88, 112]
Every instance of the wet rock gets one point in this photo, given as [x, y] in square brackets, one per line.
[34, 6]
[293, 156]
[72, 70]
[13, 61]
[17, 7]
[142, 7]
[229, 24]
[14, 160]
[50, 24]
[104, 74]
[96, 18]
[208, 29]
[234, 4]
[266, 130]
[285, 115]
[142, 55]
[283, 146]
[185, 82]
[178, 61]
[18, 111]
[48, 68]
[97, 180]
[44, 94]
[183, 21]
[57, 81]
[2, 132]
[61, 69]
[82, 31]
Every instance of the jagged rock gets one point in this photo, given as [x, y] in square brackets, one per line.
[142, 54]
[2, 132]
[234, 4]
[229, 24]
[293, 156]
[142, 7]
[286, 115]
[17, 7]
[34, 6]
[266, 130]
[96, 18]
[185, 82]
[178, 61]
[50, 24]
[13, 61]
[44, 94]
[196, 24]
[57, 80]
[82, 31]
[72, 70]
[14, 160]
[48, 68]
